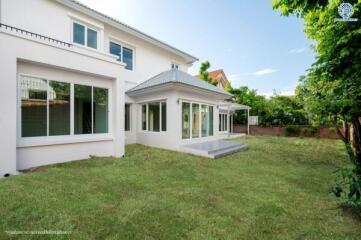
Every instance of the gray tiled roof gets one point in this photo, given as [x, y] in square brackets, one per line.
[177, 76]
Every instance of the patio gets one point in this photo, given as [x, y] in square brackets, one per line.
[215, 148]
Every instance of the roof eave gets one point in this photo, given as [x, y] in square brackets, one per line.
[145, 90]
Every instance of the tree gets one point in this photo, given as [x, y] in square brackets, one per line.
[243, 95]
[204, 75]
[332, 86]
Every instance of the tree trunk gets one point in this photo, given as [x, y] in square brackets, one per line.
[357, 143]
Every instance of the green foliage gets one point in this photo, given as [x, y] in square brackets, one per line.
[203, 73]
[331, 89]
[292, 130]
[278, 110]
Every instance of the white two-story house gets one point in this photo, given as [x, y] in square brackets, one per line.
[75, 83]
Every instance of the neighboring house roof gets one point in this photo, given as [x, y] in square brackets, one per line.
[220, 77]
[176, 76]
[124, 27]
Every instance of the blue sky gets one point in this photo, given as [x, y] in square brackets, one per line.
[252, 43]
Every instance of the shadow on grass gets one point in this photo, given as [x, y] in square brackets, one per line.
[353, 212]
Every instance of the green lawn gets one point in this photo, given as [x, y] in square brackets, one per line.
[278, 189]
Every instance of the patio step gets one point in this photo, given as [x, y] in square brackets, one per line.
[230, 145]
[223, 152]
[215, 148]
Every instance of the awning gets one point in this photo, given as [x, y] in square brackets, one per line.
[229, 106]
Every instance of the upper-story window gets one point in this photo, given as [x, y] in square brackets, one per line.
[85, 35]
[174, 66]
[125, 54]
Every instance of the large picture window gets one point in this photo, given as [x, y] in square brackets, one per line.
[46, 108]
[201, 117]
[154, 116]
[125, 54]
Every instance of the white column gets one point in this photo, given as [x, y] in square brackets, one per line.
[9, 106]
[118, 110]
[247, 121]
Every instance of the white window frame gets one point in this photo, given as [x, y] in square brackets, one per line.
[200, 119]
[175, 65]
[62, 139]
[86, 27]
[126, 45]
[146, 116]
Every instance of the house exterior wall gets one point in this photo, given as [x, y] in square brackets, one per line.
[174, 96]
[30, 55]
[149, 59]
[20, 54]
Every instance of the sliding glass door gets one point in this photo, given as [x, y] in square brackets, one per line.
[197, 120]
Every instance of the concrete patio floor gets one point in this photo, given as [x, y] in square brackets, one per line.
[215, 148]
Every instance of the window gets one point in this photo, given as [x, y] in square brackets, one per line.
[90, 109]
[82, 109]
[210, 118]
[144, 117]
[223, 122]
[78, 34]
[127, 117]
[100, 110]
[205, 121]
[59, 108]
[128, 58]
[164, 116]
[46, 108]
[185, 120]
[125, 54]
[33, 107]
[84, 35]
[154, 116]
[201, 117]
[174, 66]
[195, 120]
[116, 49]
[92, 38]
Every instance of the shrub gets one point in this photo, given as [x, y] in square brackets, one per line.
[311, 131]
[292, 130]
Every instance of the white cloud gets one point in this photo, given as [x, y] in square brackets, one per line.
[297, 50]
[265, 71]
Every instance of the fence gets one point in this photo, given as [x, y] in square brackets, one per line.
[322, 132]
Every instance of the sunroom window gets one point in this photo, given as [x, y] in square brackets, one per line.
[223, 122]
[197, 120]
[154, 116]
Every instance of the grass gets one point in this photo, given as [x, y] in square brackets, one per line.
[278, 189]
